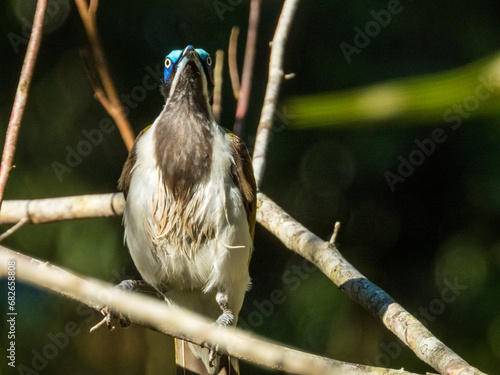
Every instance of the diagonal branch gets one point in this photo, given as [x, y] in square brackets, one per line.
[21, 96]
[14, 228]
[107, 95]
[276, 75]
[298, 239]
[328, 259]
[154, 314]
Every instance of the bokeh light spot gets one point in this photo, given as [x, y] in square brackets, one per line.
[56, 14]
[461, 259]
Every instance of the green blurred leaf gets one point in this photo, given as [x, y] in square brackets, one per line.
[468, 92]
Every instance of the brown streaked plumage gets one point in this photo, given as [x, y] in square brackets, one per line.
[242, 173]
[184, 140]
[126, 175]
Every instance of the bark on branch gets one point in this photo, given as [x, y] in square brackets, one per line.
[39, 211]
[328, 259]
[297, 238]
[155, 314]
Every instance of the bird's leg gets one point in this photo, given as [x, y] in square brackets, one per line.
[226, 319]
[128, 285]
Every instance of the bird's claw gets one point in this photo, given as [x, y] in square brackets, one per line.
[108, 320]
[212, 355]
[129, 285]
[226, 319]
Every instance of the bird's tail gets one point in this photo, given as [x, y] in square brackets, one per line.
[192, 359]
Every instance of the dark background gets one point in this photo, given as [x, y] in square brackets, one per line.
[438, 228]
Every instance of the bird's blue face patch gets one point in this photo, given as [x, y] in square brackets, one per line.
[203, 54]
[174, 56]
[170, 61]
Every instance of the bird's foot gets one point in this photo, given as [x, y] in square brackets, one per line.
[109, 315]
[108, 320]
[226, 319]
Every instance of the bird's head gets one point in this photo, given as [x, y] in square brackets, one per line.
[188, 74]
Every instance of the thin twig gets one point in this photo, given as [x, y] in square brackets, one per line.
[335, 232]
[155, 314]
[219, 66]
[93, 7]
[115, 109]
[101, 96]
[273, 88]
[21, 97]
[12, 229]
[246, 77]
[232, 54]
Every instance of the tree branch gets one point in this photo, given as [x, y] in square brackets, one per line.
[329, 260]
[273, 87]
[39, 211]
[219, 65]
[21, 97]
[110, 100]
[155, 314]
[232, 54]
[297, 238]
[246, 76]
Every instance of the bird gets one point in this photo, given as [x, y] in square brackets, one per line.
[190, 207]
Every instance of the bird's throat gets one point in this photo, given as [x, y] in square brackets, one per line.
[183, 146]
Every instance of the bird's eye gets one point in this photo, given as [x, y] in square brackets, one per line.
[209, 61]
[168, 63]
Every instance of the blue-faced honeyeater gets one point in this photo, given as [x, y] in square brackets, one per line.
[190, 206]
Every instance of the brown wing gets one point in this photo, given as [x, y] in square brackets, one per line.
[242, 173]
[126, 176]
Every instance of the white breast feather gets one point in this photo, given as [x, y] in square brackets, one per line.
[222, 262]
